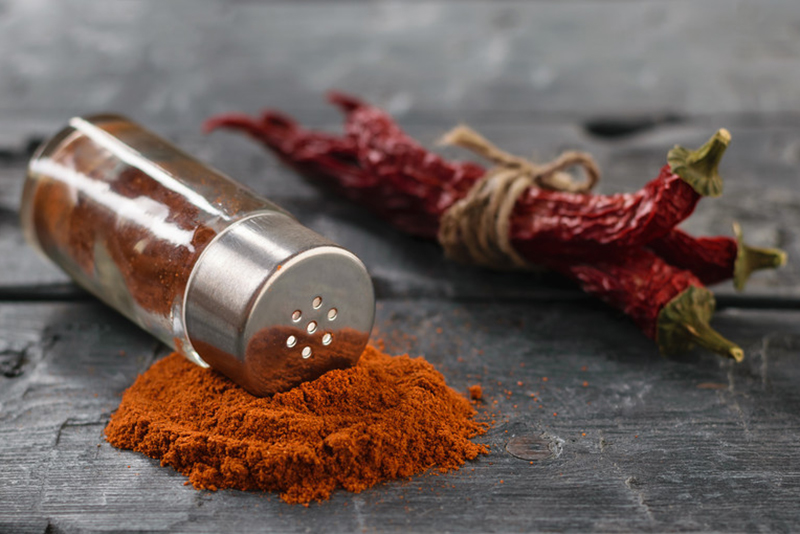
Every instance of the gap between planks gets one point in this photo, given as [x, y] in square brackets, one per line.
[66, 292]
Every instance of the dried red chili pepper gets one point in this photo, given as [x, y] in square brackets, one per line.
[670, 305]
[716, 259]
[411, 200]
[376, 164]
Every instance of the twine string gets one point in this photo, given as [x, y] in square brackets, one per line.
[476, 229]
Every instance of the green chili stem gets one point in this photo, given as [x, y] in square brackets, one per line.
[684, 322]
[699, 168]
[749, 259]
[708, 338]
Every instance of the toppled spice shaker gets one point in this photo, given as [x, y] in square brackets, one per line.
[220, 274]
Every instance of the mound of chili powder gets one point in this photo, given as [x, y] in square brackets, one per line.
[386, 418]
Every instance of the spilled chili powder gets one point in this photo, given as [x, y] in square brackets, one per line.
[476, 392]
[385, 418]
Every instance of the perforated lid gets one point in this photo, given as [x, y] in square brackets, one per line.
[271, 304]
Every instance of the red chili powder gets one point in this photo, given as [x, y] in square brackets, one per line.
[476, 392]
[385, 418]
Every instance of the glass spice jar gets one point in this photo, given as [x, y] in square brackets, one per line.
[220, 274]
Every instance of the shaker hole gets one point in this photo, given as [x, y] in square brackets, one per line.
[326, 339]
[291, 341]
[317, 302]
[306, 352]
[332, 313]
[312, 327]
[297, 315]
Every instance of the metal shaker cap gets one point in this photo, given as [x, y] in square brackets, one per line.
[272, 304]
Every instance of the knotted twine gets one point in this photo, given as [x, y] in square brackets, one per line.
[476, 229]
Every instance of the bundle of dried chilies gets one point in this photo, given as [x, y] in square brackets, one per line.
[622, 248]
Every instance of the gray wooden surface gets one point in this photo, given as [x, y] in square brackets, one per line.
[649, 444]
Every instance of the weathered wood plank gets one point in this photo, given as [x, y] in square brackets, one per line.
[177, 63]
[639, 443]
[760, 170]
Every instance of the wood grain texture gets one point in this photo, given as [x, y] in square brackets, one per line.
[760, 170]
[177, 63]
[631, 441]
[647, 444]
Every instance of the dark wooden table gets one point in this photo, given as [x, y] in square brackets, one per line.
[692, 443]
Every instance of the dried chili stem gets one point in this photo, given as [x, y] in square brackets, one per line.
[684, 322]
[699, 168]
[749, 259]
[715, 259]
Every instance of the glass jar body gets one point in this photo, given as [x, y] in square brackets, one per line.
[128, 215]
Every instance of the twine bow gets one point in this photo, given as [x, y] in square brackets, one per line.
[476, 228]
